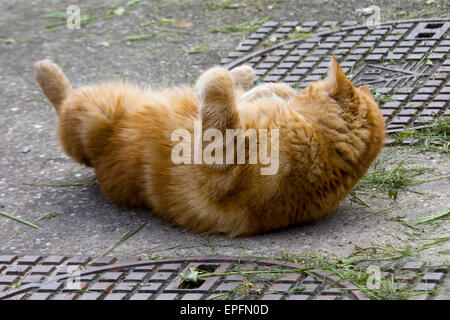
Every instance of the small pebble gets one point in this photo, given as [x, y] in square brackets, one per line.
[26, 150]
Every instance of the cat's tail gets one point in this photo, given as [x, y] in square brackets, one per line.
[53, 82]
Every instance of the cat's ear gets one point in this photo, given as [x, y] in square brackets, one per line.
[366, 90]
[339, 85]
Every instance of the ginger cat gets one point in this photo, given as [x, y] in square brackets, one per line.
[329, 133]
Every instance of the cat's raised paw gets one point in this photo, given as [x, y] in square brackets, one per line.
[243, 76]
[214, 82]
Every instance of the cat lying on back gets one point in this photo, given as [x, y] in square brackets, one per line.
[329, 133]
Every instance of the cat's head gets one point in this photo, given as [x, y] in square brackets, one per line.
[340, 87]
[337, 103]
[336, 86]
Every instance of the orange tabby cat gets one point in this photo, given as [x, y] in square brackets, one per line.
[329, 133]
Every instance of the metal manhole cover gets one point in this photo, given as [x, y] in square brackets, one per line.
[107, 278]
[406, 62]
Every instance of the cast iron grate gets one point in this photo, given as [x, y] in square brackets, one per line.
[108, 278]
[406, 62]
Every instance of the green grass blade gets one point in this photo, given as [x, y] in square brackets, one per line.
[235, 5]
[435, 216]
[48, 215]
[19, 220]
[429, 180]
[57, 15]
[198, 49]
[139, 37]
[124, 238]
[57, 185]
[132, 3]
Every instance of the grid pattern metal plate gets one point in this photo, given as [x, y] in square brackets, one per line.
[407, 63]
[108, 278]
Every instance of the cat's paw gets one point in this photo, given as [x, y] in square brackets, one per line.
[214, 83]
[243, 76]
